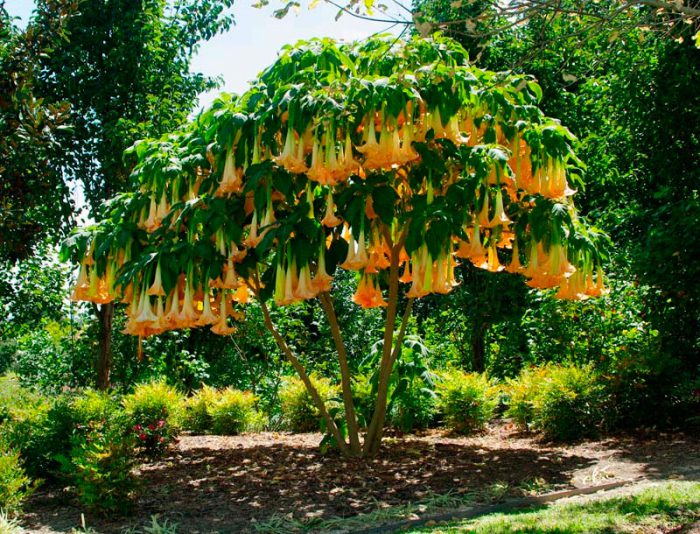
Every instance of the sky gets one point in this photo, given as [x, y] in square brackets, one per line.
[253, 43]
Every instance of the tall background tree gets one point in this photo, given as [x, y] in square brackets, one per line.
[124, 68]
[34, 198]
[622, 83]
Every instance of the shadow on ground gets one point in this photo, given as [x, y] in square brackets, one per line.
[227, 484]
[224, 487]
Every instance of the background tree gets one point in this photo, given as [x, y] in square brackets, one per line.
[124, 67]
[34, 198]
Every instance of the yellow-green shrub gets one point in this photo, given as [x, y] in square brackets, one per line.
[15, 485]
[225, 412]
[564, 402]
[154, 410]
[467, 401]
[522, 392]
[234, 411]
[299, 413]
[196, 416]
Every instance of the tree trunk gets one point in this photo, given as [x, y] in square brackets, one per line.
[299, 368]
[479, 346]
[105, 314]
[350, 416]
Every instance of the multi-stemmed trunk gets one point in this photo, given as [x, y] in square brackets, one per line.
[390, 352]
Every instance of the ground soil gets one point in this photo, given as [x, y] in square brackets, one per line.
[228, 484]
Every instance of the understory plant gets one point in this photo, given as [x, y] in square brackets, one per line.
[154, 409]
[564, 402]
[15, 485]
[467, 401]
[299, 411]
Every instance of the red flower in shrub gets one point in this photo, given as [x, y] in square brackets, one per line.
[161, 423]
[151, 427]
[142, 436]
[137, 427]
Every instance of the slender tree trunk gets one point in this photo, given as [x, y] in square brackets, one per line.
[479, 346]
[299, 368]
[350, 416]
[105, 314]
[373, 439]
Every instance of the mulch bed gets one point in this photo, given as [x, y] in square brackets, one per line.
[226, 484]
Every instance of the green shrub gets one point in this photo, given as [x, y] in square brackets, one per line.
[467, 401]
[412, 405]
[521, 394]
[154, 410]
[196, 415]
[224, 412]
[564, 402]
[27, 426]
[100, 452]
[52, 356]
[93, 407]
[571, 404]
[363, 398]
[15, 485]
[299, 413]
[233, 411]
[100, 465]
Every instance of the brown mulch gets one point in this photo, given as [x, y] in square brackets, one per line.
[226, 484]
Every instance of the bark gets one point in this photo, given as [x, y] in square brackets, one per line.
[479, 346]
[105, 314]
[374, 440]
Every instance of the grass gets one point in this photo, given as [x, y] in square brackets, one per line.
[662, 507]
[435, 503]
[8, 525]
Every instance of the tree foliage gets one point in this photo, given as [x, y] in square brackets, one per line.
[34, 199]
[125, 69]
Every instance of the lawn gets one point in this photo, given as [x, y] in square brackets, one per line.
[665, 507]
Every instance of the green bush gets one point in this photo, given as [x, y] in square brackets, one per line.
[27, 426]
[196, 415]
[93, 407]
[412, 405]
[100, 465]
[564, 402]
[571, 404]
[233, 411]
[521, 394]
[299, 413]
[15, 485]
[363, 398]
[225, 412]
[52, 356]
[154, 411]
[100, 452]
[467, 401]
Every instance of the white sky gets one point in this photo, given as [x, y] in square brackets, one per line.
[252, 44]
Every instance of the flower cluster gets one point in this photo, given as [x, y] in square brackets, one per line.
[152, 437]
[389, 159]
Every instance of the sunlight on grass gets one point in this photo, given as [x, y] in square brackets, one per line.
[664, 506]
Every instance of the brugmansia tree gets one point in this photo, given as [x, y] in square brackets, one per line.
[395, 160]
